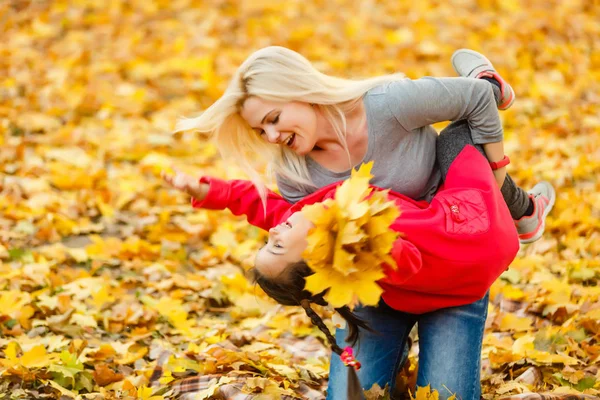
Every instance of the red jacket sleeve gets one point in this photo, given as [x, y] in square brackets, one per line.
[409, 262]
[242, 198]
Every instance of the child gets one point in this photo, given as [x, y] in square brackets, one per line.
[450, 252]
[442, 247]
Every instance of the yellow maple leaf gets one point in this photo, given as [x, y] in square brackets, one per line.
[224, 238]
[84, 320]
[343, 262]
[61, 389]
[350, 241]
[37, 357]
[134, 353]
[350, 233]
[426, 393]
[511, 322]
[145, 393]
[12, 301]
[320, 245]
[10, 355]
[102, 296]
[23, 316]
[354, 190]
[320, 213]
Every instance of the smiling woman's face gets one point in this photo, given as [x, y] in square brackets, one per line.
[292, 124]
[285, 246]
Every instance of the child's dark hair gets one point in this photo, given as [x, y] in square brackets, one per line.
[290, 292]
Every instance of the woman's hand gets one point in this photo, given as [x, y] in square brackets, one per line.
[186, 183]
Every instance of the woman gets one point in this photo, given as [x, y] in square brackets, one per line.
[312, 128]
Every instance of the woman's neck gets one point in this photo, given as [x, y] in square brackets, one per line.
[329, 140]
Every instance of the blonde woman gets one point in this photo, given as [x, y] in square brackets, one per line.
[313, 128]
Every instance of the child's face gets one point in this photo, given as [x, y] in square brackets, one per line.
[285, 246]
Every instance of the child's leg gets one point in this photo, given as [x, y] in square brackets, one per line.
[471, 64]
[452, 141]
[528, 209]
[530, 223]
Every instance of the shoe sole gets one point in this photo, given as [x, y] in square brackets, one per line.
[472, 52]
[552, 200]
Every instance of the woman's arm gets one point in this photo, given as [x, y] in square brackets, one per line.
[239, 196]
[425, 101]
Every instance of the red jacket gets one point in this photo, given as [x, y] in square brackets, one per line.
[450, 250]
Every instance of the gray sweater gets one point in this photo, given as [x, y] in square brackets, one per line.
[401, 141]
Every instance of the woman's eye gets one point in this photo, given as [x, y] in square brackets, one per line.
[276, 119]
[278, 246]
[288, 224]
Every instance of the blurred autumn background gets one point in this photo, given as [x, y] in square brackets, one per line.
[105, 273]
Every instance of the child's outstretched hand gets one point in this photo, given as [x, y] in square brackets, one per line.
[186, 183]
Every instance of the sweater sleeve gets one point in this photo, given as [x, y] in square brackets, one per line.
[242, 198]
[408, 261]
[421, 102]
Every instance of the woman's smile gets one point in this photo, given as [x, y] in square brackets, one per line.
[289, 142]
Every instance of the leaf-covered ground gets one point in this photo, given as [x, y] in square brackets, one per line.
[104, 272]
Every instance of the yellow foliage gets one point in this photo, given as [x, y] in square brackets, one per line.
[426, 393]
[145, 393]
[350, 242]
[93, 246]
[37, 357]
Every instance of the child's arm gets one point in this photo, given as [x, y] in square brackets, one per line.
[239, 196]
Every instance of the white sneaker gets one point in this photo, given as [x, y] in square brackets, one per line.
[471, 64]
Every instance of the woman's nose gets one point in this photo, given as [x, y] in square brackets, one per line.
[272, 135]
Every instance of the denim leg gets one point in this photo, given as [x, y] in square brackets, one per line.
[379, 353]
[450, 342]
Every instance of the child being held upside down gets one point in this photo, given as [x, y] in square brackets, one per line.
[450, 250]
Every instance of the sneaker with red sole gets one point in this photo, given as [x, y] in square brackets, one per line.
[531, 228]
[471, 64]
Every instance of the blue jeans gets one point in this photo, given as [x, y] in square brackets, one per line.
[450, 343]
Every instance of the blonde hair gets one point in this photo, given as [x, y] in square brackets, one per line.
[277, 74]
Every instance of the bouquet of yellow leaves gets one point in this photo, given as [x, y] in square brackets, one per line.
[350, 242]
